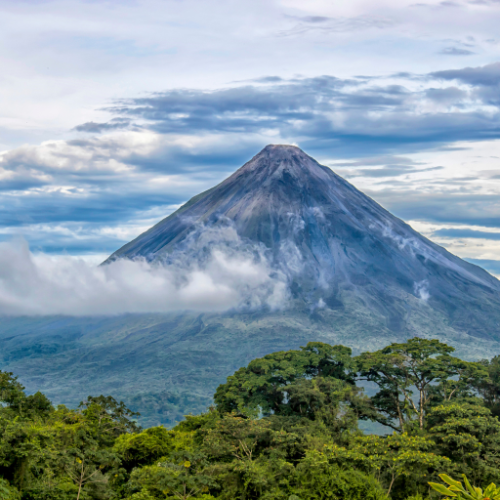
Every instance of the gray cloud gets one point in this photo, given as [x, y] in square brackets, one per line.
[327, 113]
[379, 160]
[392, 171]
[467, 233]
[440, 206]
[327, 25]
[449, 95]
[386, 166]
[315, 19]
[488, 75]
[456, 51]
[97, 128]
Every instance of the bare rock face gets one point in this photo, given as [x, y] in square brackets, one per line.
[340, 250]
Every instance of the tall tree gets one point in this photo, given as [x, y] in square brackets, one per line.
[315, 382]
[405, 372]
[489, 388]
[470, 436]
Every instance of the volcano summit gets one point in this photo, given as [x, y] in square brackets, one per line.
[347, 270]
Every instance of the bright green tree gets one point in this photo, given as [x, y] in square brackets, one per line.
[391, 458]
[470, 436]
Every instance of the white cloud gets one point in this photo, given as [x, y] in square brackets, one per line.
[42, 285]
[421, 289]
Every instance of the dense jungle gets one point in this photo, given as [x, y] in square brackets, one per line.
[285, 427]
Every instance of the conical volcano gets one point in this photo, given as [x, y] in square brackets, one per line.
[339, 248]
[354, 275]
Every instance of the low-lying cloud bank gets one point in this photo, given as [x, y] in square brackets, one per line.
[227, 279]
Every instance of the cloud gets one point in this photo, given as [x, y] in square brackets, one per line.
[105, 178]
[456, 51]
[314, 19]
[379, 160]
[447, 96]
[326, 112]
[381, 166]
[467, 233]
[97, 128]
[328, 25]
[488, 75]
[462, 207]
[246, 108]
[392, 171]
[421, 290]
[225, 280]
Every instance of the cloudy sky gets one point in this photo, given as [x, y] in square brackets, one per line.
[113, 113]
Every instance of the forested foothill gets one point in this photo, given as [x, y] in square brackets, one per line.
[286, 427]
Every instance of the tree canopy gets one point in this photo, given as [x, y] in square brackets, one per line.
[285, 427]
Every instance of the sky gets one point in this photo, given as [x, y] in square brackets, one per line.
[114, 113]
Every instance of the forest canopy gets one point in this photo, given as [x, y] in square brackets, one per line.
[287, 426]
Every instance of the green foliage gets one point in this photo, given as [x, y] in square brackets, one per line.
[489, 388]
[456, 489]
[398, 460]
[137, 450]
[15, 401]
[181, 476]
[265, 383]
[413, 375]
[317, 480]
[8, 492]
[284, 428]
[470, 436]
[316, 382]
[11, 391]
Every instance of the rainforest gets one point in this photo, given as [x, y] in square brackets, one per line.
[287, 426]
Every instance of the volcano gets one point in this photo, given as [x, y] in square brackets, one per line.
[339, 249]
[354, 274]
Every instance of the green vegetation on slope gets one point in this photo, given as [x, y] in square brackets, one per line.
[284, 427]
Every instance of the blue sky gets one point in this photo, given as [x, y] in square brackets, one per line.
[112, 114]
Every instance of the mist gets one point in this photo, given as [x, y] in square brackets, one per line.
[227, 278]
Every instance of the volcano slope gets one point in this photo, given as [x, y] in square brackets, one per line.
[354, 274]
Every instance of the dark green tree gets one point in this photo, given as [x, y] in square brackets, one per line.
[489, 388]
[316, 382]
[407, 375]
